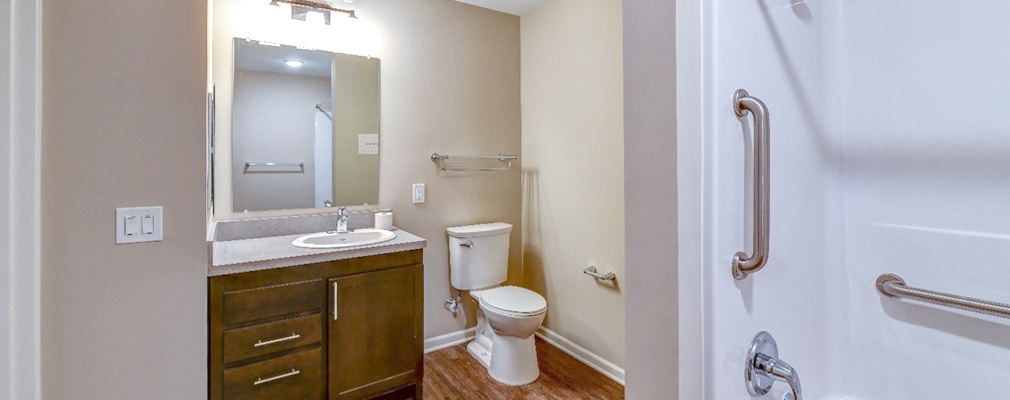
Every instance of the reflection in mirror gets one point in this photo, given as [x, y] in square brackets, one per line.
[305, 130]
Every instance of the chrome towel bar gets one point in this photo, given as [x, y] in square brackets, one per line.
[249, 165]
[743, 264]
[441, 159]
[591, 271]
[891, 285]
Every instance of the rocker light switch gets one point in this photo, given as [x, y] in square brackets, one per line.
[148, 224]
[131, 224]
[138, 224]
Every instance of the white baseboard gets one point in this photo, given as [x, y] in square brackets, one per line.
[582, 354]
[449, 339]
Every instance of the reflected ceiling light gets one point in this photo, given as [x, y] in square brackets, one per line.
[293, 63]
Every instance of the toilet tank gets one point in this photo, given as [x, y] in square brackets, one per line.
[478, 255]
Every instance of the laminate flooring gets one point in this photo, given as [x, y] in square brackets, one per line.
[452, 374]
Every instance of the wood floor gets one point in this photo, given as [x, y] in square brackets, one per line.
[452, 374]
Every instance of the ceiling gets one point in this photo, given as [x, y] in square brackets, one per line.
[252, 56]
[516, 7]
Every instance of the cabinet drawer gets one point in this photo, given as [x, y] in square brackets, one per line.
[298, 376]
[272, 302]
[260, 340]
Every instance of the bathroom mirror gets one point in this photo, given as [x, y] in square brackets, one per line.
[305, 128]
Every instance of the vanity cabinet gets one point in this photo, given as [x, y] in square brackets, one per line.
[373, 335]
[339, 330]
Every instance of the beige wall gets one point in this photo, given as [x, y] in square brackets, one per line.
[449, 84]
[275, 121]
[650, 151]
[355, 112]
[123, 124]
[573, 168]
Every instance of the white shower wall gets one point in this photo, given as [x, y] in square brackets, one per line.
[890, 154]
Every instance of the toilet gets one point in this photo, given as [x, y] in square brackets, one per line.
[508, 315]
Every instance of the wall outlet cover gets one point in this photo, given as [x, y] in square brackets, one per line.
[418, 193]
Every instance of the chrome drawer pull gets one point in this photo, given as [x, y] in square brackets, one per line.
[283, 339]
[281, 376]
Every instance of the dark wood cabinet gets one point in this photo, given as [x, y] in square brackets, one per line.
[374, 330]
[347, 330]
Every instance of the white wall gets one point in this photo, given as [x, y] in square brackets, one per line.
[650, 154]
[274, 121]
[123, 124]
[573, 169]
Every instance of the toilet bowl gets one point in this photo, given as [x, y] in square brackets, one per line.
[508, 315]
[506, 321]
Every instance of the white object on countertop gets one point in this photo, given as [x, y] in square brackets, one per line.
[384, 220]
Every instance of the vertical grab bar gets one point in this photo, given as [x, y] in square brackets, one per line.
[743, 264]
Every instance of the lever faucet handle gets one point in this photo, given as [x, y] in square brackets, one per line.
[763, 367]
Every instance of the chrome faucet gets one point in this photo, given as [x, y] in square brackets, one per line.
[763, 367]
[341, 221]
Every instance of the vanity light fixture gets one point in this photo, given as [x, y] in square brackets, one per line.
[293, 63]
[301, 8]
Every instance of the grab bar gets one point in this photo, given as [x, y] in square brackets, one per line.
[891, 285]
[743, 264]
[441, 158]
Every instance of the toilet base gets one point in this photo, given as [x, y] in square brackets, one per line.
[514, 360]
[480, 348]
[509, 360]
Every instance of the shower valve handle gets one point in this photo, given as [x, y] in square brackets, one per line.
[763, 367]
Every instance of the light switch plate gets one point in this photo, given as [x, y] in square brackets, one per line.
[418, 193]
[138, 225]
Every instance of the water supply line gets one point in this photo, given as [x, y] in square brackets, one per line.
[452, 304]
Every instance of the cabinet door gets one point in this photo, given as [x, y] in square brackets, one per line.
[375, 332]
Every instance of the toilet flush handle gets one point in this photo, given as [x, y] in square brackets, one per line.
[468, 244]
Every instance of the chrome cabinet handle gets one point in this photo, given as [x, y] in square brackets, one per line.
[281, 376]
[335, 301]
[468, 244]
[743, 264]
[283, 339]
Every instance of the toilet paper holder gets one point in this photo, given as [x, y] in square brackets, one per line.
[591, 271]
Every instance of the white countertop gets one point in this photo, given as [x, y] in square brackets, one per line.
[237, 256]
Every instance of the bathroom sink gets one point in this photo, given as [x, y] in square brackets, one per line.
[359, 237]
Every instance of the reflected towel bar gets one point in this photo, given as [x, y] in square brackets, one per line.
[891, 285]
[441, 159]
[300, 166]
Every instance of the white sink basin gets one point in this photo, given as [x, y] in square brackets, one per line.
[359, 237]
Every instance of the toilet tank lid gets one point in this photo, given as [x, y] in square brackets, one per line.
[470, 231]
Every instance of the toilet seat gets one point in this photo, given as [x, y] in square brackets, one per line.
[513, 301]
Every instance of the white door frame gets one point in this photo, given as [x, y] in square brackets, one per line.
[20, 194]
[692, 78]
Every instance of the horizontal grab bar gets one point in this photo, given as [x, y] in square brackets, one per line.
[591, 271]
[891, 285]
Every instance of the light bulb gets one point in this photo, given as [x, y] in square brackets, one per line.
[293, 63]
